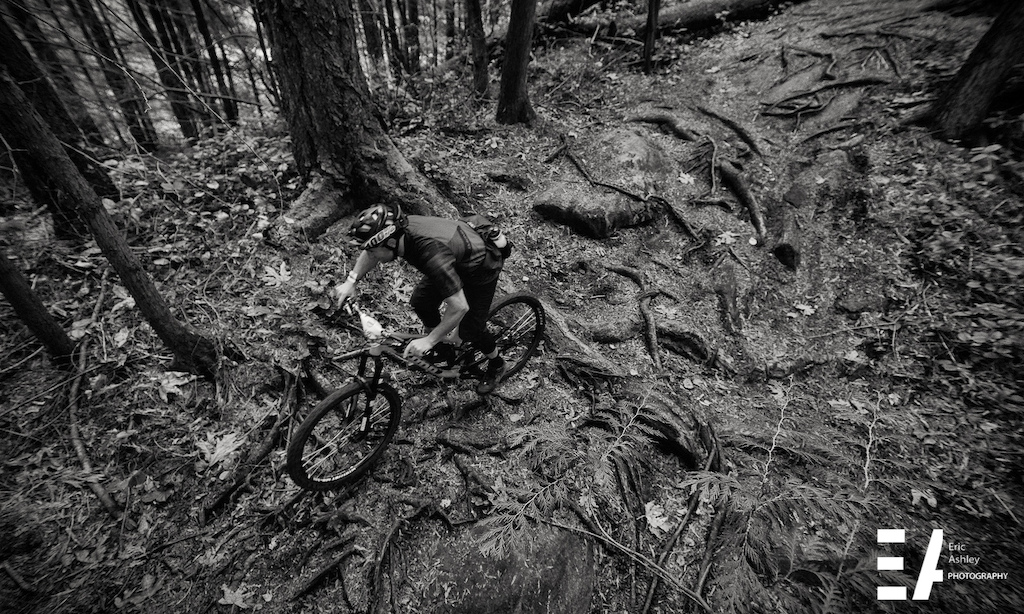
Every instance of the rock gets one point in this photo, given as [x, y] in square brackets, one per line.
[622, 158]
[549, 572]
[591, 214]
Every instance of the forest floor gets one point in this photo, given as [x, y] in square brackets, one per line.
[876, 386]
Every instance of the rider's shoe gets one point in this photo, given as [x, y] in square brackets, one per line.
[495, 369]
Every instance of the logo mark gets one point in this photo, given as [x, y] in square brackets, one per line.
[930, 573]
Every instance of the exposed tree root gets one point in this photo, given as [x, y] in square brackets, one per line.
[650, 326]
[740, 131]
[328, 570]
[733, 178]
[667, 120]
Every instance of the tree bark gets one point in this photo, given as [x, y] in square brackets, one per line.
[478, 46]
[129, 96]
[338, 138]
[966, 101]
[33, 312]
[23, 128]
[44, 98]
[513, 99]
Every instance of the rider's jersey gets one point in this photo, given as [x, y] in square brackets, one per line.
[450, 253]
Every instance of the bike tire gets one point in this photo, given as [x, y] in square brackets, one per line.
[329, 450]
[517, 322]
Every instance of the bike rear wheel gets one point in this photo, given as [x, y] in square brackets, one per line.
[517, 323]
[334, 446]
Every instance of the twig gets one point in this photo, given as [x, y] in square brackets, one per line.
[74, 432]
[671, 541]
[705, 565]
[60, 383]
[242, 473]
[21, 362]
[16, 577]
[850, 329]
[595, 531]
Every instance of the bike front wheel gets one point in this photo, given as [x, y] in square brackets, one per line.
[343, 437]
[517, 323]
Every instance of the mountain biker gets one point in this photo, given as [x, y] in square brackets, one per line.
[460, 270]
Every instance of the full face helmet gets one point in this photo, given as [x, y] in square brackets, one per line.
[381, 224]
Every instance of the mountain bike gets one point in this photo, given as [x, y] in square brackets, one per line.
[345, 435]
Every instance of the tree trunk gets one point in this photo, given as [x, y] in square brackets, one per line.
[174, 87]
[449, 29]
[191, 57]
[513, 98]
[412, 35]
[127, 92]
[338, 139]
[370, 17]
[560, 11]
[229, 105]
[33, 312]
[23, 128]
[44, 98]
[45, 51]
[653, 6]
[966, 101]
[478, 45]
[98, 92]
[398, 59]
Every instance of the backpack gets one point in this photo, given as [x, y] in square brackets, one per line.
[493, 237]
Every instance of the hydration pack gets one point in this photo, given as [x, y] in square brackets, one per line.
[493, 237]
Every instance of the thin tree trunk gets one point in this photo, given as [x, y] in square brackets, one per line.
[83, 64]
[412, 35]
[272, 82]
[46, 53]
[192, 58]
[230, 106]
[449, 29]
[370, 18]
[42, 95]
[169, 79]
[23, 128]
[513, 99]
[478, 46]
[966, 101]
[398, 56]
[129, 96]
[33, 312]
[653, 6]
